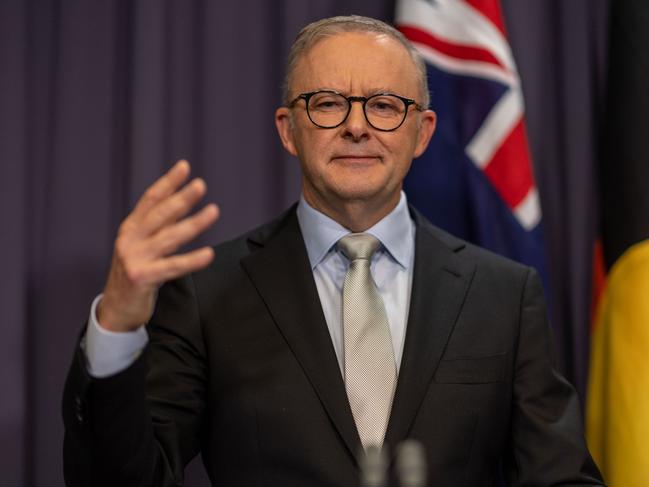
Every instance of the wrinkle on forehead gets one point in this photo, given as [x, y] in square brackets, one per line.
[359, 64]
[367, 92]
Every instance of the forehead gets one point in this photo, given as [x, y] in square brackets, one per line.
[357, 63]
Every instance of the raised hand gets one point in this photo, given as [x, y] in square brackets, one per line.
[143, 256]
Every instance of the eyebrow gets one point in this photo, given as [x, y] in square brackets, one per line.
[367, 93]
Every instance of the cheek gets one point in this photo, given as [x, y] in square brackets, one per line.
[402, 166]
[312, 154]
[303, 137]
[401, 150]
[314, 147]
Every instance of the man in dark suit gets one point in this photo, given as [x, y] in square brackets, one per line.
[247, 356]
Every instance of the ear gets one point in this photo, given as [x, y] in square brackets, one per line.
[285, 129]
[426, 130]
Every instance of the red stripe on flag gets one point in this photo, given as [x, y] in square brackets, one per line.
[453, 50]
[491, 10]
[510, 170]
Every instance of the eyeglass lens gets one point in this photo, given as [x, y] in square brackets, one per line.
[384, 112]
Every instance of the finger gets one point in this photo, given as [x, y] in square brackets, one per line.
[162, 188]
[172, 208]
[170, 238]
[163, 270]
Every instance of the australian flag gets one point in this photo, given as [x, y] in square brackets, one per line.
[475, 179]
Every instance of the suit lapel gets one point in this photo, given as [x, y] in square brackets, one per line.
[281, 273]
[440, 282]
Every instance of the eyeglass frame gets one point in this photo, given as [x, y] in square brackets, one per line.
[351, 99]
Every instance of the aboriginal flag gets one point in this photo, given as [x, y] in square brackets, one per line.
[617, 414]
[475, 179]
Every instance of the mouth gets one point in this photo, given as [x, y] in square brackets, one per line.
[356, 159]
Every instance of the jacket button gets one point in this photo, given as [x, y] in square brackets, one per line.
[78, 406]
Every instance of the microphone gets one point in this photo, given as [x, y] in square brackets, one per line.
[374, 465]
[411, 464]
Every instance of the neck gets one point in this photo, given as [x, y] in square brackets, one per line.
[356, 215]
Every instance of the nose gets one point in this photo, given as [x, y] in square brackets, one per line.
[356, 126]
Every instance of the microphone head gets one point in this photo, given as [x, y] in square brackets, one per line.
[374, 466]
[411, 464]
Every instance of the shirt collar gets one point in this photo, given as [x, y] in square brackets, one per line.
[395, 232]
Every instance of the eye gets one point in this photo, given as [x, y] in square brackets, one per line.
[386, 105]
[328, 102]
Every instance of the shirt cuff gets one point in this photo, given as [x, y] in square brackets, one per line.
[109, 352]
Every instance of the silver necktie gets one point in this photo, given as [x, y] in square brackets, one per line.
[370, 368]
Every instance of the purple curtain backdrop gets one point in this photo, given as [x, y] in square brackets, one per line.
[98, 98]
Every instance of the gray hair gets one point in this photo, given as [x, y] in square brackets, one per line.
[310, 35]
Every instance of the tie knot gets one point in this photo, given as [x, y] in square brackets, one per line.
[358, 246]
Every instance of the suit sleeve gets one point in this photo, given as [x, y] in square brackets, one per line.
[141, 426]
[548, 445]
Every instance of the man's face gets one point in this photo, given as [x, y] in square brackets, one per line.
[354, 163]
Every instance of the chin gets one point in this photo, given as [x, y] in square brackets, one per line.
[359, 192]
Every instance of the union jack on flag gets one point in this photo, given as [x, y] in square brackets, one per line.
[475, 180]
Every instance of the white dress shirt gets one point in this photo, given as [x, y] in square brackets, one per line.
[391, 268]
[109, 353]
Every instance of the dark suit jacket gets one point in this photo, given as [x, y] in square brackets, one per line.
[240, 367]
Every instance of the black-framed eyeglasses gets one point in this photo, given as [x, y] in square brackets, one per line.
[329, 109]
